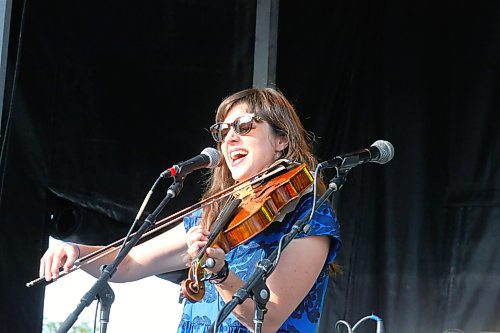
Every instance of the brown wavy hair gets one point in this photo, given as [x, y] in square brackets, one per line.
[273, 107]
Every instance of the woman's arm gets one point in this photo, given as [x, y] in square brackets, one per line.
[161, 254]
[299, 267]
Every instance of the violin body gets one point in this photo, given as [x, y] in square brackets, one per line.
[259, 209]
[260, 205]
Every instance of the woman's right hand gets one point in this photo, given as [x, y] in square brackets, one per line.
[61, 255]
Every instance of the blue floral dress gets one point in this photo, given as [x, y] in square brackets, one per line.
[197, 317]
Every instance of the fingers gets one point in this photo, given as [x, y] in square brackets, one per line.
[196, 239]
[195, 248]
[62, 255]
[45, 265]
[219, 256]
[56, 263]
[196, 234]
[71, 257]
[216, 253]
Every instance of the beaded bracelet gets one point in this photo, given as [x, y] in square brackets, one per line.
[221, 275]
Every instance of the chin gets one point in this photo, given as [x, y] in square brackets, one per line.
[239, 175]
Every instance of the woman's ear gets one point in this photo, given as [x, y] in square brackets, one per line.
[281, 143]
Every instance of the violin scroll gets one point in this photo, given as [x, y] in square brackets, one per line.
[193, 288]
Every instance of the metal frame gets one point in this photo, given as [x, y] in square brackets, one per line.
[266, 43]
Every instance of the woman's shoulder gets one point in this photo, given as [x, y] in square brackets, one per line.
[323, 222]
[192, 219]
[324, 214]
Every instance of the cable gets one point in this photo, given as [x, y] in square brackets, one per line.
[380, 326]
[313, 208]
[315, 190]
[337, 326]
[139, 213]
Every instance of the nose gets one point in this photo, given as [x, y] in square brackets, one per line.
[231, 135]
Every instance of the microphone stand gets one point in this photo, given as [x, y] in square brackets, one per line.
[105, 297]
[101, 289]
[256, 286]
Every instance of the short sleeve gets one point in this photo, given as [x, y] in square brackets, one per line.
[192, 220]
[324, 222]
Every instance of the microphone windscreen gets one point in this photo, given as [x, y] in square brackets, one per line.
[386, 150]
[213, 156]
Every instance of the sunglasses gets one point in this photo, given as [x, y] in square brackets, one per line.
[241, 125]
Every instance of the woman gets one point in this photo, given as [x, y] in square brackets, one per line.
[255, 127]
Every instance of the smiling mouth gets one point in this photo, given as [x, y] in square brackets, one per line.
[237, 155]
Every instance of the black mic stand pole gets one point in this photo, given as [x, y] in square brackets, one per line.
[107, 271]
[106, 297]
[256, 286]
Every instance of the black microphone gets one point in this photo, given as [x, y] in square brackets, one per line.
[379, 152]
[208, 158]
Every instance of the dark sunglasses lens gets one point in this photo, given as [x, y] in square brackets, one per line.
[219, 131]
[223, 132]
[244, 125]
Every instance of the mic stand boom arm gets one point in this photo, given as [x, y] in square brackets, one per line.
[101, 285]
[256, 286]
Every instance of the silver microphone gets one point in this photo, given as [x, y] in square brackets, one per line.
[208, 158]
[380, 152]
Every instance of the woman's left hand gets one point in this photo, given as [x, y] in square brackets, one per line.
[219, 256]
[196, 239]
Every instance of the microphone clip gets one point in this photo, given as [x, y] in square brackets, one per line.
[170, 172]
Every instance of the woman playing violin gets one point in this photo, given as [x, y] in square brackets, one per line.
[254, 128]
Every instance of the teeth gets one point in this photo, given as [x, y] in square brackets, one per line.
[234, 154]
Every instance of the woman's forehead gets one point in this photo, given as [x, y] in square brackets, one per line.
[236, 111]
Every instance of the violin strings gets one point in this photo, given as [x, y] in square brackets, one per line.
[220, 222]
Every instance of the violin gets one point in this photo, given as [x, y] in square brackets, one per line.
[257, 203]
[247, 213]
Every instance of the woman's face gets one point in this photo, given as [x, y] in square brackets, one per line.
[248, 154]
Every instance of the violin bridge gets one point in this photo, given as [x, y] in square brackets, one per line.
[243, 191]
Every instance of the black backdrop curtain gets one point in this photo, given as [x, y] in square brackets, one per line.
[420, 233]
[105, 96]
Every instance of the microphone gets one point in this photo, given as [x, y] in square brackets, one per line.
[208, 158]
[380, 152]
